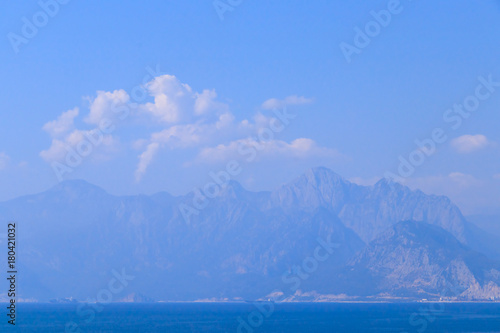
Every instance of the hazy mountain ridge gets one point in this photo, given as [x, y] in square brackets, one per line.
[243, 242]
[368, 210]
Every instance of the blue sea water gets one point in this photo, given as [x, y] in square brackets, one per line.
[265, 317]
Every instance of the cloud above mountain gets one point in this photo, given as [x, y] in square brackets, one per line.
[63, 124]
[67, 139]
[173, 116]
[466, 144]
[252, 149]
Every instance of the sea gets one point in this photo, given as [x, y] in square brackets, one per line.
[255, 317]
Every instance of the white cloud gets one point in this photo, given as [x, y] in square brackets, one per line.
[205, 130]
[145, 159]
[175, 101]
[63, 124]
[225, 120]
[274, 103]
[78, 141]
[4, 160]
[107, 106]
[182, 136]
[56, 152]
[66, 138]
[176, 117]
[469, 143]
[171, 98]
[205, 103]
[252, 149]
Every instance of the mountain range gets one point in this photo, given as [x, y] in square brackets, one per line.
[319, 237]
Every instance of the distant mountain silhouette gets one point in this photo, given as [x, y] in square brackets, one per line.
[244, 244]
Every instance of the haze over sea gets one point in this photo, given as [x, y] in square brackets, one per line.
[290, 317]
[250, 166]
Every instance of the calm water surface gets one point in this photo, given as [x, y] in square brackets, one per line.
[224, 317]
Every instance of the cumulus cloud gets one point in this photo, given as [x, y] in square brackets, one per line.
[182, 136]
[175, 101]
[469, 143]
[79, 141]
[63, 124]
[56, 152]
[206, 102]
[174, 116]
[274, 103]
[66, 138]
[107, 106]
[4, 160]
[189, 118]
[170, 98]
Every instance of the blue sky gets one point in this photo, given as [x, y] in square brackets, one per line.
[216, 82]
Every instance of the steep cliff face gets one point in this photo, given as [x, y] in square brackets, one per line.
[417, 259]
